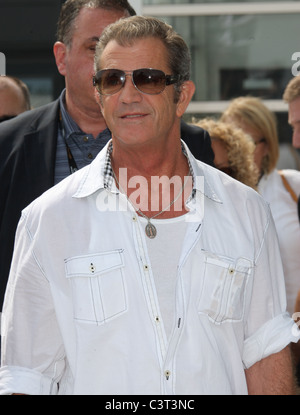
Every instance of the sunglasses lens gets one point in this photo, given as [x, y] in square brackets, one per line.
[110, 81]
[149, 81]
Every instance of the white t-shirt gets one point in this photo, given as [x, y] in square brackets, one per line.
[164, 253]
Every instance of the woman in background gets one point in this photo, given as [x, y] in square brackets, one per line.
[233, 151]
[279, 188]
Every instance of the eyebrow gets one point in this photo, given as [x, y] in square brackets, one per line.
[93, 39]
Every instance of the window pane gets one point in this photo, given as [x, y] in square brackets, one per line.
[236, 55]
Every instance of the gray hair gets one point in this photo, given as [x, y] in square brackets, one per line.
[126, 31]
[71, 9]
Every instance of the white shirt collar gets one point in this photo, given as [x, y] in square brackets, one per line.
[99, 175]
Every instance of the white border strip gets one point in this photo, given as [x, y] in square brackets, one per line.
[288, 7]
[215, 107]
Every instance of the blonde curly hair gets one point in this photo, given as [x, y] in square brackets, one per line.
[240, 149]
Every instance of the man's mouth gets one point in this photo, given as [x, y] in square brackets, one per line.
[126, 116]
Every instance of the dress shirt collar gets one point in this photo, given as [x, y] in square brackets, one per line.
[101, 168]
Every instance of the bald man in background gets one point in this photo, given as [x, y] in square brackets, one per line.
[14, 97]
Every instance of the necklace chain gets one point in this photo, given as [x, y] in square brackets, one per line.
[150, 229]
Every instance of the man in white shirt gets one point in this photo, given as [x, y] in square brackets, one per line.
[291, 95]
[147, 272]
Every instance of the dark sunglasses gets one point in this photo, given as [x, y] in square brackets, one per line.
[146, 80]
[262, 140]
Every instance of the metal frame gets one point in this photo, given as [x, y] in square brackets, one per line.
[215, 107]
[215, 9]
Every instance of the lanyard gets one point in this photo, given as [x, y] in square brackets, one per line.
[72, 163]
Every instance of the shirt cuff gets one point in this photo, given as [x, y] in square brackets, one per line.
[271, 338]
[20, 380]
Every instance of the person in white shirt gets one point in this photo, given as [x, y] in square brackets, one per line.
[280, 188]
[147, 272]
[291, 96]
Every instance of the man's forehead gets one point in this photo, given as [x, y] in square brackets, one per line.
[92, 21]
[149, 48]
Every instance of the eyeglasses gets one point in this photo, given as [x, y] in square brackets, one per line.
[262, 140]
[146, 80]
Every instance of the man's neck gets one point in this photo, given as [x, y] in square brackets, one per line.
[89, 120]
[150, 159]
[140, 174]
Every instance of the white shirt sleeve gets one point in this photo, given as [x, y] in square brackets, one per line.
[25, 381]
[269, 328]
[32, 349]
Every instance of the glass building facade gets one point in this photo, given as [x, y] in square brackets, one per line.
[238, 48]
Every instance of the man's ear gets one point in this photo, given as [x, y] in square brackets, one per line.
[186, 94]
[60, 53]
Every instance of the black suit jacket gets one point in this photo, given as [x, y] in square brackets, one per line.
[198, 141]
[27, 166]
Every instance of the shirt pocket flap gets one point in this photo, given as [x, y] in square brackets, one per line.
[98, 286]
[94, 265]
[224, 287]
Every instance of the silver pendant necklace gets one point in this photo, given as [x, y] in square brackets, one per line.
[150, 229]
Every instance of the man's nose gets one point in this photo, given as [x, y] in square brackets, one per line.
[129, 92]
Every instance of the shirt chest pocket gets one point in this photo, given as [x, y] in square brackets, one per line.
[224, 288]
[98, 286]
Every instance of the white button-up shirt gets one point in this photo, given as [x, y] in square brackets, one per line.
[81, 309]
